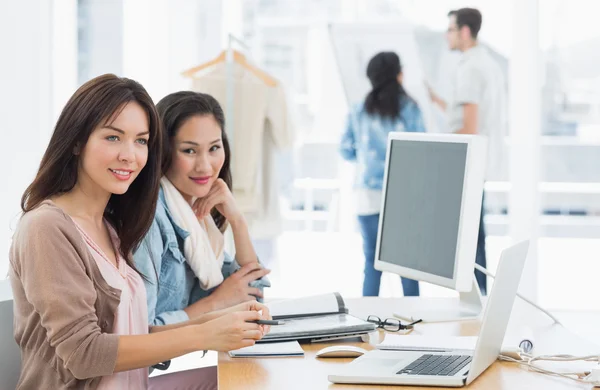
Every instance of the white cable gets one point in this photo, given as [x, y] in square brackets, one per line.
[491, 275]
[566, 358]
[582, 377]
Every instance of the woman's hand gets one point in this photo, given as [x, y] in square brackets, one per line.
[231, 331]
[252, 305]
[221, 198]
[235, 289]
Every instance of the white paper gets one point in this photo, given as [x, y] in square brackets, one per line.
[427, 343]
[190, 361]
[318, 304]
[285, 348]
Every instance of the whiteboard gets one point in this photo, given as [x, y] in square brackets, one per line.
[355, 44]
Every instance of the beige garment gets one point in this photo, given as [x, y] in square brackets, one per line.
[265, 222]
[64, 308]
[260, 127]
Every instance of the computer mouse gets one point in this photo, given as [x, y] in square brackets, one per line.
[341, 351]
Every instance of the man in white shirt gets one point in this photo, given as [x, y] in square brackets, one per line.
[477, 103]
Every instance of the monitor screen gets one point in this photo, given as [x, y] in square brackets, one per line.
[422, 203]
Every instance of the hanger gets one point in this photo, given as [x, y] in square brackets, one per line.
[238, 58]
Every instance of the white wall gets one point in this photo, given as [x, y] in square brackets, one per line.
[103, 38]
[145, 44]
[525, 129]
[25, 104]
[195, 28]
[64, 53]
[163, 38]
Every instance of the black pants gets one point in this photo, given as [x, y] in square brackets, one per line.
[480, 257]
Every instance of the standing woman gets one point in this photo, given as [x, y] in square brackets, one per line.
[79, 303]
[387, 108]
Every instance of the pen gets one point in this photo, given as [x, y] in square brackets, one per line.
[268, 322]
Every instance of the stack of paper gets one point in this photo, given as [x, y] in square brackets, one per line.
[287, 348]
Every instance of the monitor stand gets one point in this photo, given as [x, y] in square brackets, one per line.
[467, 307]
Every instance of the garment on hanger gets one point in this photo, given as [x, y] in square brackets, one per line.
[260, 126]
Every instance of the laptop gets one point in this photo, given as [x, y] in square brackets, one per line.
[456, 368]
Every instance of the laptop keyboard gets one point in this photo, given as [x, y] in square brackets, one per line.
[442, 365]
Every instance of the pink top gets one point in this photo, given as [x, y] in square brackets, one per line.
[132, 315]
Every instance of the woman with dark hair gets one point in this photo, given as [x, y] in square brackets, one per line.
[187, 270]
[386, 108]
[79, 303]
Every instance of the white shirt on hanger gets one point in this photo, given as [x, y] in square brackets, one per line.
[260, 126]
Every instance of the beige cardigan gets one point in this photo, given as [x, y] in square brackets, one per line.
[63, 307]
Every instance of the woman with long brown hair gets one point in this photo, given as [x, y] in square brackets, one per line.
[80, 305]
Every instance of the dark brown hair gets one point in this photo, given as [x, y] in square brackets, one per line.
[174, 110]
[96, 103]
[469, 17]
[387, 93]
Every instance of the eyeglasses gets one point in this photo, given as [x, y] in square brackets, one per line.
[391, 324]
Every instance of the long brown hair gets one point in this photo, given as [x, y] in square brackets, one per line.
[98, 102]
[174, 110]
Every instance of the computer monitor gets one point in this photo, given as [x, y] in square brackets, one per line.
[430, 212]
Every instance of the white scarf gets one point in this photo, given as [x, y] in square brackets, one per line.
[203, 248]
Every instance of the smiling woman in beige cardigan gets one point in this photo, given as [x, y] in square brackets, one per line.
[80, 305]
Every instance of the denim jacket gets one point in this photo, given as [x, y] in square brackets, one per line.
[365, 139]
[170, 283]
